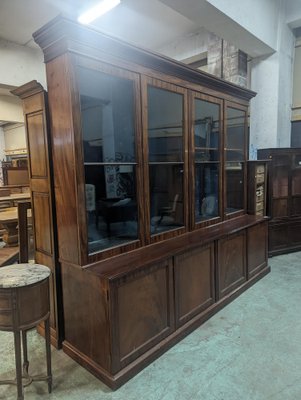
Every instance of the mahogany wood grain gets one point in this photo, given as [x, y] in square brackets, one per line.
[231, 263]
[35, 108]
[257, 246]
[194, 282]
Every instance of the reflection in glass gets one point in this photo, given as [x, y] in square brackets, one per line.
[235, 135]
[206, 146]
[296, 182]
[165, 125]
[108, 132]
[107, 112]
[206, 191]
[166, 197]
[280, 182]
[206, 125]
[235, 186]
[111, 206]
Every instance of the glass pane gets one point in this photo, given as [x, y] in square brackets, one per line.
[296, 181]
[235, 186]
[280, 181]
[206, 155]
[107, 114]
[235, 134]
[166, 197]
[111, 206]
[206, 124]
[234, 155]
[165, 125]
[297, 161]
[206, 191]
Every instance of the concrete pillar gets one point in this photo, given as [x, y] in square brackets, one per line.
[226, 61]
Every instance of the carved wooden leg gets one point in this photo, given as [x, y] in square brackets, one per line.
[17, 340]
[25, 354]
[48, 354]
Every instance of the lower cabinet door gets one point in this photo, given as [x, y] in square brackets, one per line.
[194, 282]
[231, 266]
[257, 248]
[278, 237]
[143, 310]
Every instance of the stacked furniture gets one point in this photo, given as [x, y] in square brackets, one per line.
[168, 240]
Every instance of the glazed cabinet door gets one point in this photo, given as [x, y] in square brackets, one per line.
[110, 132]
[235, 150]
[165, 149]
[206, 159]
[142, 310]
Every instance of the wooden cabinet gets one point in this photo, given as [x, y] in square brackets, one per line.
[150, 187]
[257, 187]
[284, 198]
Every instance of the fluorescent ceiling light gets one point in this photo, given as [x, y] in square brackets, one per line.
[97, 11]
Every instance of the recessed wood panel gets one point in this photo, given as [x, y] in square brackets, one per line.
[36, 144]
[43, 226]
[232, 263]
[144, 310]
[194, 282]
[257, 248]
[278, 236]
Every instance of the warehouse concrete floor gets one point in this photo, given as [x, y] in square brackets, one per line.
[250, 350]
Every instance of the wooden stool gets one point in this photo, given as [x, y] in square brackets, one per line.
[24, 303]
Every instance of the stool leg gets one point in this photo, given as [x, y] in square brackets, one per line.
[25, 354]
[48, 354]
[17, 340]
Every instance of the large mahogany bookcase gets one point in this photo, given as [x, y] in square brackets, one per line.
[284, 199]
[151, 196]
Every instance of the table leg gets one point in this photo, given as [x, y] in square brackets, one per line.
[48, 354]
[17, 340]
[25, 354]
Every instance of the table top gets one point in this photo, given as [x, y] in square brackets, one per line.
[11, 215]
[18, 275]
[16, 196]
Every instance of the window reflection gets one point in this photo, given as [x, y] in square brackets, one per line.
[206, 191]
[235, 156]
[107, 116]
[235, 186]
[207, 167]
[165, 146]
[166, 183]
[165, 125]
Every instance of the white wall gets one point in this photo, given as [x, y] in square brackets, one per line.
[186, 46]
[259, 17]
[20, 64]
[11, 109]
[296, 113]
[271, 78]
[15, 137]
[2, 145]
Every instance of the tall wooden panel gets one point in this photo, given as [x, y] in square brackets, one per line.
[194, 282]
[40, 175]
[231, 263]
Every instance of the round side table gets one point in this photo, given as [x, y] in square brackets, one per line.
[24, 303]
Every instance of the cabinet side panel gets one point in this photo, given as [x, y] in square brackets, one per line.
[64, 162]
[87, 327]
[41, 205]
[40, 173]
